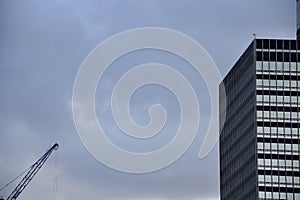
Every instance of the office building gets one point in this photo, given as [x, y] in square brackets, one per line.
[259, 143]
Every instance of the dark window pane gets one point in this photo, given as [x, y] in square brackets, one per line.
[286, 44]
[279, 44]
[258, 44]
[293, 44]
[293, 57]
[286, 57]
[272, 44]
[266, 56]
[266, 44]
[259, 56]
[279, 57]
[272, 56]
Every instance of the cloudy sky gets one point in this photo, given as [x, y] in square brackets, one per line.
[43, 44]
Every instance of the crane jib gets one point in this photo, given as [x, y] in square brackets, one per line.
[33, 170]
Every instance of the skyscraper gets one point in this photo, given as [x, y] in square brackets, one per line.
[259, 143]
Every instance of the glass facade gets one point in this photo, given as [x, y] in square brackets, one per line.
[277, 111]
[238, 136]
[275, 68]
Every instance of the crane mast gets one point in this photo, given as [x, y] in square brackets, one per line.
[33, 170]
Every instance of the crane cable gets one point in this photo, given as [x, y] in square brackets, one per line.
[56, 174]
[13, 180]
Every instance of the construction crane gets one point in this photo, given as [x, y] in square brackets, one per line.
[32, 171]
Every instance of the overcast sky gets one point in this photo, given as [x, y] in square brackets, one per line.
[43, 44]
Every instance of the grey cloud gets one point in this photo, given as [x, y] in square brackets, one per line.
[42, 46]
